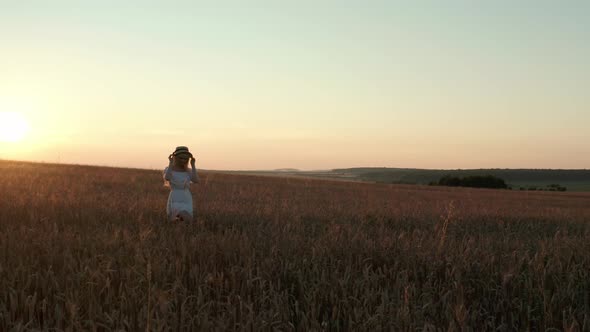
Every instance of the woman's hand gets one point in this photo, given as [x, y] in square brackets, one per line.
[193, 161]
[170, 158]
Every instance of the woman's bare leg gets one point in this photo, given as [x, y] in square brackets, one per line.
[185, 216]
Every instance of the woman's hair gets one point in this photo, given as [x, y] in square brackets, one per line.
[179, 162]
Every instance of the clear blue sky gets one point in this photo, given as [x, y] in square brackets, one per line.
[304, 84]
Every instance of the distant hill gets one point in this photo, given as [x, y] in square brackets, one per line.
[574, 180]
[286, 170]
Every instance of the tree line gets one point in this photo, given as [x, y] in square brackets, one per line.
[474, 181]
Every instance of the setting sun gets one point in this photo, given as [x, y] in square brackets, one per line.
[13, 127]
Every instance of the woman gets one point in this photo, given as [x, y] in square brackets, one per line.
[178, 177]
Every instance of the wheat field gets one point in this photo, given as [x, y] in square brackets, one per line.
[88, 248]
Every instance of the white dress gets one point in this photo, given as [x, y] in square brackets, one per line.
[180, 198]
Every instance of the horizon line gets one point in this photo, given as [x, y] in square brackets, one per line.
[293, 169]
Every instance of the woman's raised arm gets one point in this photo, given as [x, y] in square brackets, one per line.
[168, 171]
[194, 175]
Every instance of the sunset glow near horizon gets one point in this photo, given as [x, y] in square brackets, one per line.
[297, 84]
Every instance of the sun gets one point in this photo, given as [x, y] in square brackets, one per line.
[13, 127]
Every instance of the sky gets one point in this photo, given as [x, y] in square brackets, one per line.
[298, 84]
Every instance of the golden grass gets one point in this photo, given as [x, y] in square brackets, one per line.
[88, 248]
